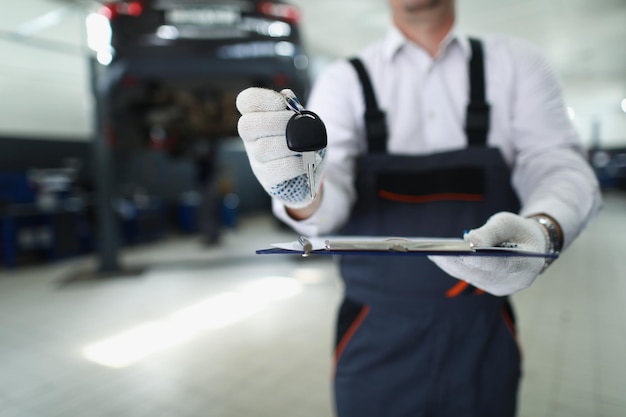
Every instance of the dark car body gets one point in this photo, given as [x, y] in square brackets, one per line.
[610, 167]
[178, 65]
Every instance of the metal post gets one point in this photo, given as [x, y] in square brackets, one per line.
[107, 225]
[596, 142]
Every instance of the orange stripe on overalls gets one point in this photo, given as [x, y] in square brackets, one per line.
[350, 332]
[457, 289]
[403, 198]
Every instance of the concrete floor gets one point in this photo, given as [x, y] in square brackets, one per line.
[224, 332]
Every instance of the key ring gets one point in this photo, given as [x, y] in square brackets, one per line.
[305, 134]
[292, 101]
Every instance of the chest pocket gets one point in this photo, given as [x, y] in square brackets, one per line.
[446, 184]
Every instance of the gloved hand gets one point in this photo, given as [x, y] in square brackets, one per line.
[262, 127]
[500, 275]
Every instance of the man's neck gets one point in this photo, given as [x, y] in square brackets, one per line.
[427, 32]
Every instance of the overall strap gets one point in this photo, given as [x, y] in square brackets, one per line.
[375, 120]
[477, 119]
[478, 110]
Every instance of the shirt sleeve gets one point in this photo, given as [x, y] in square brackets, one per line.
[550, 171]
[337, 100]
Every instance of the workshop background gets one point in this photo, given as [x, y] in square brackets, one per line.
[129, 283]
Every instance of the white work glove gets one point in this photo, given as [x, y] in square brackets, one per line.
[500, 275]
[262, 127]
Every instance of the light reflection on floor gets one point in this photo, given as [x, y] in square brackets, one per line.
[218, 311]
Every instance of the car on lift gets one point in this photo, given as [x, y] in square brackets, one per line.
[171, 69]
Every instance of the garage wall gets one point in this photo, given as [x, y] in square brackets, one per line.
[597, 102]
[39, 100]
[44, 87]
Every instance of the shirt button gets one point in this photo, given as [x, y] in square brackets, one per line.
[432, 115]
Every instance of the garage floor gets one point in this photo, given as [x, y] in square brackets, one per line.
[224, 332]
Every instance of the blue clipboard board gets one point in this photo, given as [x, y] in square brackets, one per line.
[483, 252]
[395, 247]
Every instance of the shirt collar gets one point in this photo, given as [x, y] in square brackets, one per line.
[395, 40]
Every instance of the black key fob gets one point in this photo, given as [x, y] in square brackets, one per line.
[306, 132]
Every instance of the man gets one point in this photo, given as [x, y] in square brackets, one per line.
[474, 136]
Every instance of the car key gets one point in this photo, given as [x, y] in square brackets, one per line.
[306, 133]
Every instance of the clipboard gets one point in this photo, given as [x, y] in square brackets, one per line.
[394, 246]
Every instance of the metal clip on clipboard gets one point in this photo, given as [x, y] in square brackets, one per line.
[398, 245]
[307, 246]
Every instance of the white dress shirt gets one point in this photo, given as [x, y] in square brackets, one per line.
[425, 102]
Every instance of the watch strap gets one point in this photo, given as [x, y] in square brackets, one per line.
[552, 234]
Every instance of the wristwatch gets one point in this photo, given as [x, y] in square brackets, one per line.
[552, 233]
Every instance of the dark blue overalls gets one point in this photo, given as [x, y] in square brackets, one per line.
[411, 340]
